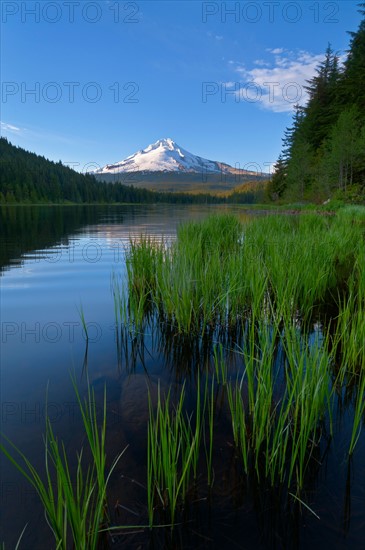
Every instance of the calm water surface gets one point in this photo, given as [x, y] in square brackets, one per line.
[56, 261]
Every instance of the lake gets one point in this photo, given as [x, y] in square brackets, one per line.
[57, 265]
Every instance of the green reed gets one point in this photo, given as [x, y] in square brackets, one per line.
[359, 411]
[210, 403]
[219, 270]
[17, 546]
[170, 443]
[220, 365]
[267, 281]
[83, 322]
[350, 322]
[278, 432]
[174, 443]
[308, 383]
[75, 506]
[238, 419]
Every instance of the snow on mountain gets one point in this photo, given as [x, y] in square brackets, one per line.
[165, 156]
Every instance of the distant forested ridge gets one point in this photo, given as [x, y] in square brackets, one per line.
[324, 149]
[27, 178]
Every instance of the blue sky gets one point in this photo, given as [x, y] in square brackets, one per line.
[109, 77]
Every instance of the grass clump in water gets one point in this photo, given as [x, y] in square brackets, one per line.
[219, 271]
[276, 419]
[75, 508]
[289, 293]
[170, 445]
[174, 443]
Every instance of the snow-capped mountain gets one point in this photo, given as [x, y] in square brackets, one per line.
[166, 156]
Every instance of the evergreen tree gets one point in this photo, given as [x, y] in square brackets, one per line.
[324, 149]
[321, 111]
[300, 170]
[278, 182]
[292, 134]
[352, 87]
[295, 175]
[344, 155]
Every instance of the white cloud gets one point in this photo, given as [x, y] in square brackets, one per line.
[9, 127]
[279, 85]
[275, 51]
[261, 63]
[218, 37]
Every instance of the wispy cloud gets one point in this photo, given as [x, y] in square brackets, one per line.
[5, 127]
[216, 36]
[261, 63]
[42, 134]
[280, 83]
[276, 51]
